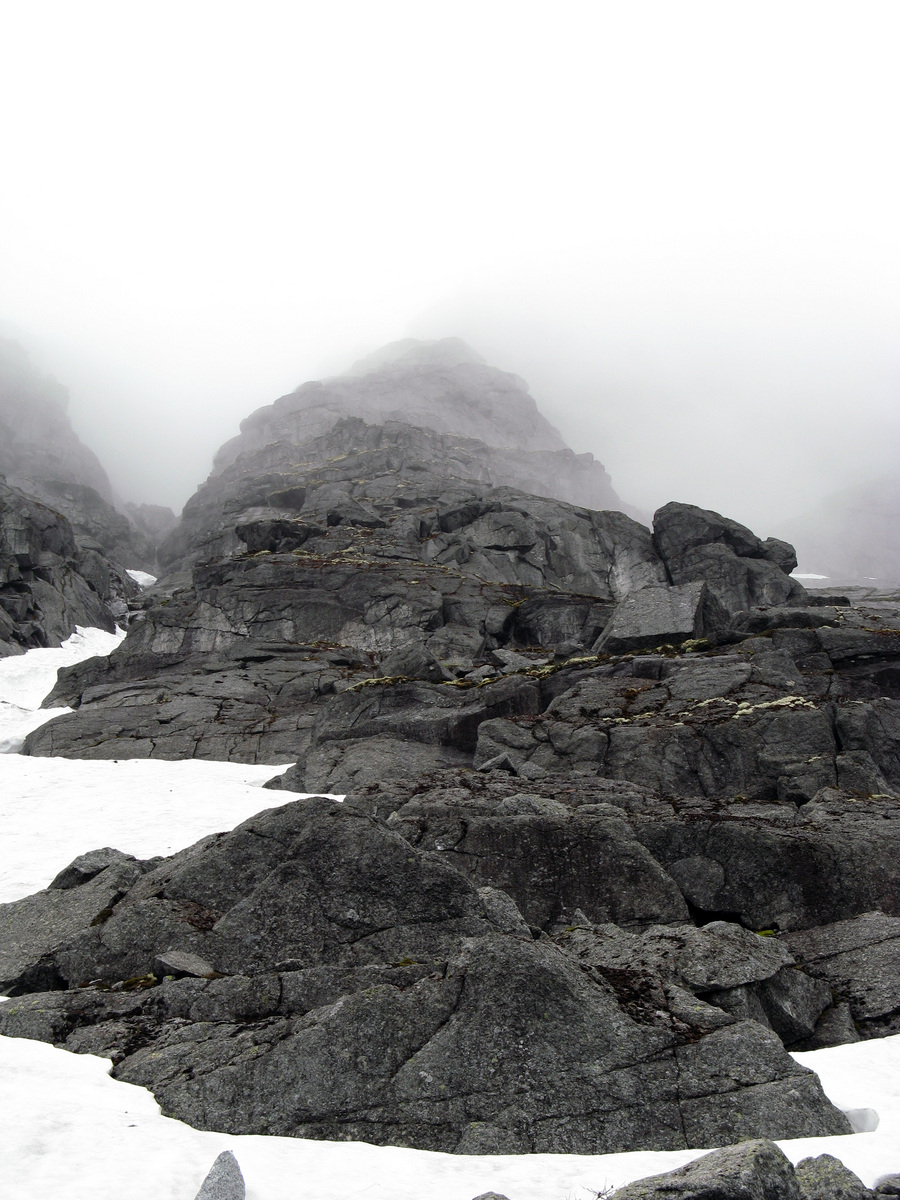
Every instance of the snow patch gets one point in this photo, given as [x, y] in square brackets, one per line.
[26, 679]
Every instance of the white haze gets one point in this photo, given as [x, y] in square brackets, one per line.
[676, 221]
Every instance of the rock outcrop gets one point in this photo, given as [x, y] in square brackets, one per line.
[48, 584]
[754, 1170]
[622, 818]
[442, 386]
[352, 986]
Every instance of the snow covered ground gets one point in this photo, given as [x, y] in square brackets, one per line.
[70, 1129]
[25, 679]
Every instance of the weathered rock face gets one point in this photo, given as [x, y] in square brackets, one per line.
[48, 585]
[764, 866]
[860, 961]
[755, 1170]
[376, 556]
[350, 985]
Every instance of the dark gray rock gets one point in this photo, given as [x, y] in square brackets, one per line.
[835, 1027]
[424, 1060]
[766, 866]
[656, 615]
[45, 591]
[739, 569]
[33, 929]
[789, 1002]
[86, 866]
[413, 662]
[860, 960]
[310, 881]
[773, 867]
[826, 1178]
[717, 956]
[342, 942]
[549, 859]
[224, 1181]
[181, 962]
[754, 1170]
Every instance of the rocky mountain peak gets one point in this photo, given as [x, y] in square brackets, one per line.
[442, 385]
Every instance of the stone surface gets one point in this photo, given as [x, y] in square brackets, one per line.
[225, 1180]
[34, 928]
[652, 616]
[860, 960]
[391, 579]
[738, 568]
[826, 1178]
[47, 585]
[341, 942]
[755, 1170]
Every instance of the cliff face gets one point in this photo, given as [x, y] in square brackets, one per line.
[42, 457]
[37, 441]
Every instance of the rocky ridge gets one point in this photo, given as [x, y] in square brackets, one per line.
[622, 810]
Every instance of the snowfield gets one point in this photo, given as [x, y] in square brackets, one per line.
[70, 1129]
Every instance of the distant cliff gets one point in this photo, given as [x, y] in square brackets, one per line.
[42, 456]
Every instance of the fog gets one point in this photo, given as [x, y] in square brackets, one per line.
[676, 222]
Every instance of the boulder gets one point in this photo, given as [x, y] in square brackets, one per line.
[424, 1060]
[741, 571]
[754, 1170]
[33, 929]
[656, 615]
[826, 1178]
[333, 940]
[224, 1181]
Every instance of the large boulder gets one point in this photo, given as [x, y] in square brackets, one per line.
[754, 1170]
[740, 570]
[326, 978]
[656, 615]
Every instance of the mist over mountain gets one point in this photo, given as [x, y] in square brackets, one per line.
[852, 536]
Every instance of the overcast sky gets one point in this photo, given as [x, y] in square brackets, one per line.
[678, 221]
